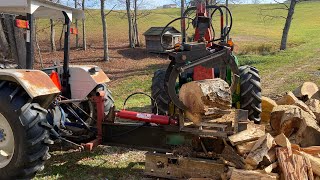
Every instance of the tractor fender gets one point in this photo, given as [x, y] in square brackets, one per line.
[84, 79]
[36, 83]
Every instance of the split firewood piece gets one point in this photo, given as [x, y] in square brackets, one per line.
[314, 161]
[228, 154]
[269, 168]
[290, 99]
[203, 96]
[260, 149]
[312, 150]
[270, 157]
[316, 95]
[314, 105]
[246, 147]
[293, 166]
[253, 132]
[267, 107]
[237, 174]
[306, 90]
[277, 114]
[299, 126]
[287, 99]
[283, 141]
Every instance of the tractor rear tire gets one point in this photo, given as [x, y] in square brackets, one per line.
[27, 131]
[159, 94]
[109, 107]
[250, 89]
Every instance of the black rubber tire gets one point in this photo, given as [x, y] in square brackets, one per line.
[30, 131]
[159, 94]
[250, 88]
[109, 101]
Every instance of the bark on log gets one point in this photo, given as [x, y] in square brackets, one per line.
[267, 107]
[253, 132]
[306, 90]
[205, 95]
[260, 149]
[237, 174]
[293, 166]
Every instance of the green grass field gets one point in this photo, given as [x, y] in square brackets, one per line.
[257, 42]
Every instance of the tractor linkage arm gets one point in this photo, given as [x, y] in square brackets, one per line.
[222, 59]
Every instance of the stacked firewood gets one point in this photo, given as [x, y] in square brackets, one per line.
[286, 145]
[290, 147]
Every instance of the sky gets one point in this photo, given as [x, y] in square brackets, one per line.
[148, 4]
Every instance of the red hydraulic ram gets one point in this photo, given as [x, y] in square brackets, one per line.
[146, 117]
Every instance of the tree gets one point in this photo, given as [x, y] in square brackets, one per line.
[288, 19]
[131, 42]
[52, 34]
[76, 24]
[84, 41]
[287, 25]
[104, 28]
[135, 25]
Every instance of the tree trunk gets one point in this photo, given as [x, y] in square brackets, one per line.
[37, 43]
[287, 25]
[8, 23]
[52, 36]
[4, 45]
[104, 28]
[137, 38]
[76, 24]
[84, 40]
[129, 23]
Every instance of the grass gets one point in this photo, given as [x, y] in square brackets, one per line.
[257, 43]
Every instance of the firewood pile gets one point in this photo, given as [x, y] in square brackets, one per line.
[290, 148]
[286, 145]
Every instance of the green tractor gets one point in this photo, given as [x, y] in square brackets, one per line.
[206, 58]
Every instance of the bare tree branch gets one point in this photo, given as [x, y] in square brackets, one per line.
[106, 14]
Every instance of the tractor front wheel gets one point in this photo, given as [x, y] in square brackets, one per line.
[24, 136]
[250, 89]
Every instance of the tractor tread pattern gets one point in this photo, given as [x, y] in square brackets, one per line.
[159, 94]
[250, 88]
[26, 119]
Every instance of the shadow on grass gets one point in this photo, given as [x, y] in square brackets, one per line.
[103, 163]
[139, 54]
[148, 70]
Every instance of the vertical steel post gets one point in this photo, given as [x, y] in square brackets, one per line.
[183, 22]
[29, 43]
[227, 20]
[65, 77]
